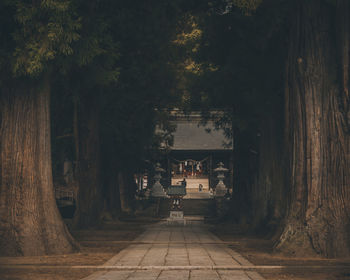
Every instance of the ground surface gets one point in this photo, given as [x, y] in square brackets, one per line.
[259, 251]
[167, 249]
[174, 251]
[97, 246]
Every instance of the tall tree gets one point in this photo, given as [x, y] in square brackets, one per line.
[96, 71]
[317, 127]
[42, 34]
[89, 197]
[316, 176]
[241, 60]
[131, 107]
[120, 77]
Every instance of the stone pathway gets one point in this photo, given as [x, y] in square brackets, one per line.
[177, 252]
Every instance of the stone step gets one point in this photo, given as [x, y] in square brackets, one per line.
[191, 207]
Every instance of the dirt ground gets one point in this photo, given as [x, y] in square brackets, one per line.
[259, 251]
[97, 247]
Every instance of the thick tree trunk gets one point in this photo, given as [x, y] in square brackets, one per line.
[89, 197]
[30, 223]
[343, 49]
[110, 180]
[124, 192]
[245, 170]
[268, 188]
[112, 192]
[259, 177]
[317, 136]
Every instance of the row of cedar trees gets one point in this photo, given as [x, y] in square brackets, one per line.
[305, 201]
[297, 185]
[105, 61]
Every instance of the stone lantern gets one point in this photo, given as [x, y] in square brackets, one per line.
[220, 189]
[157, 188]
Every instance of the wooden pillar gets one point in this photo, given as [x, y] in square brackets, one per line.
[210, 170]
[169, 170]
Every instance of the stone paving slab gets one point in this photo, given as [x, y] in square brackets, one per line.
[238, 275]
[203, 274]
[177, 252]
[174, 275]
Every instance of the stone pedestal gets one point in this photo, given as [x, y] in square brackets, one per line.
[176, 217]
[221, 192]
[220, 189]
[157, 188]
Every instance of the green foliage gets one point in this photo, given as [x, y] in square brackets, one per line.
[124, 56]
[46, 30]
[62, 35]
[140, 56]
[247, 6]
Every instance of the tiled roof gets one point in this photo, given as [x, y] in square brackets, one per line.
[190, 136]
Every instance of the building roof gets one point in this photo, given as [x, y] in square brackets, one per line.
[192, 134]
[189, 135]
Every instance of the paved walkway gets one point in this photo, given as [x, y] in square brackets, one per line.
[177, 252]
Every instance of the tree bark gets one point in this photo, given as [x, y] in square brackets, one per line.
[30, 222]
[317, 135]
[259, 176]
[245, 171]
[124, 192]
[89, 197]
[268, 189]
[110, 179]
[113, 194]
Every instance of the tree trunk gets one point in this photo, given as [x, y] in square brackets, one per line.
[245, 162]
[317, 135]
[259, 176]
[76, 134]
[30, 221]
[268, 188]
[110, 176]
[124, 191]
[89, 197]
[113, 194]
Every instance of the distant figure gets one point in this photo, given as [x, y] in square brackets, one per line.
[200, 187]
[184, 183]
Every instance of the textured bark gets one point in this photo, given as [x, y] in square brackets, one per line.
[259, 177]
[343, 43]
[245, 169]
[268, 189]
[89, 198]
[317, 133]
[124, 191]
[30, 223]
[113, 204]
[110, 180]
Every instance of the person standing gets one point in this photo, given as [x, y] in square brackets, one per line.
[183, 182]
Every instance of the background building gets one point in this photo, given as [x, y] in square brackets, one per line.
[197, 149]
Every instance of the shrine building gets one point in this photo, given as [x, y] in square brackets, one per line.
[196, 151]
